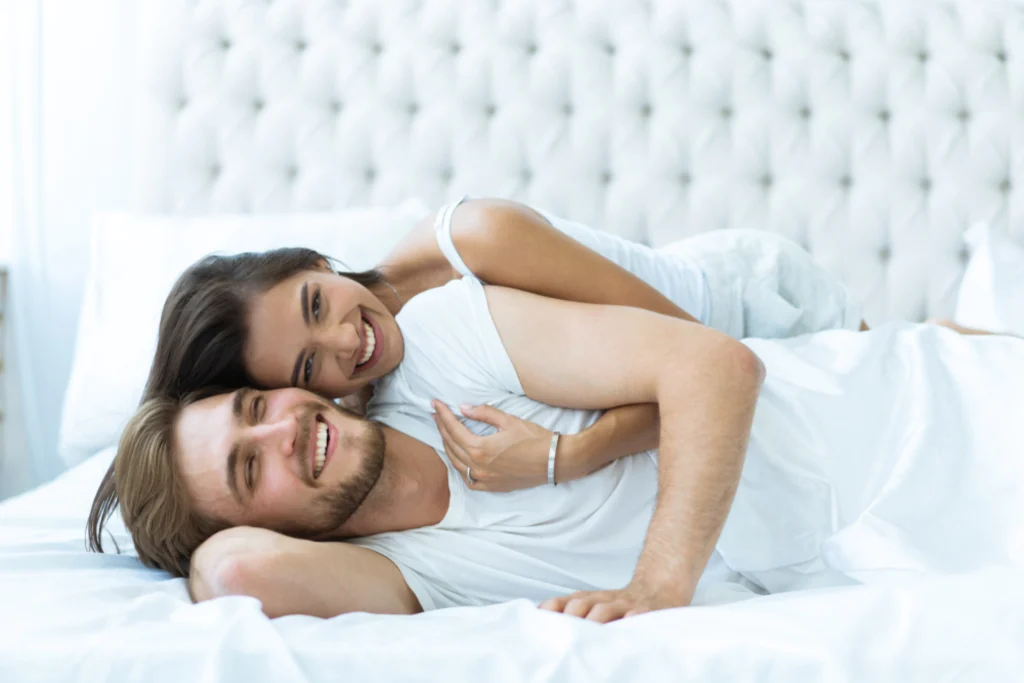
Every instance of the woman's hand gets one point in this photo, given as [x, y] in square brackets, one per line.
[515, 457]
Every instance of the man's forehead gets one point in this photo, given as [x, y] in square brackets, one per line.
[204, 431]
[204, 436]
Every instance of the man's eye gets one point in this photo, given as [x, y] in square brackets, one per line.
[249, 465]
[257, 408]
[307, 370]
[315, 306]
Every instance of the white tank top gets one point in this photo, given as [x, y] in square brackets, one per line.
[676, 276]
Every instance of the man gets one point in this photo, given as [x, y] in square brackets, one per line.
[253, 459]
[884, 450]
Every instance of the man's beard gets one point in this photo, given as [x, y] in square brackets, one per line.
[336, 505]
[343, 500]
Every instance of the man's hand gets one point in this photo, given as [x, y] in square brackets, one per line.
[605, 606]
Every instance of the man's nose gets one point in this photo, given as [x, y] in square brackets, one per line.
[277, 437]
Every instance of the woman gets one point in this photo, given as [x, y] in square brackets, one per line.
[285, 318]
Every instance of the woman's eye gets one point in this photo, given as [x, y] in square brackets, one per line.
[307, 370]
[257, 408]
[315, 306]
[249, 465]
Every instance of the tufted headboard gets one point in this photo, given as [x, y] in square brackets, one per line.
[872, 132]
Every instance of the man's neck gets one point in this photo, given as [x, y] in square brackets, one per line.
[412, 490]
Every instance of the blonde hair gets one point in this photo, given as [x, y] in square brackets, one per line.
[144, 480]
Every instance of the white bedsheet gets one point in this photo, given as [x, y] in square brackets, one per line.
[69, 615]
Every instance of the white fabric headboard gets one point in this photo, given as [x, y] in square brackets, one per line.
[872, 132]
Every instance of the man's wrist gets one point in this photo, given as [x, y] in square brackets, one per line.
[677, 589]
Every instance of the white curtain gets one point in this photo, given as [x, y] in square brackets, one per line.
[66, 79]
[28, 457]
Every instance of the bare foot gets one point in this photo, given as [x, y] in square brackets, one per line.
[957, 328]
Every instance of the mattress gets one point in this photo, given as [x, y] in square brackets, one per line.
[66, 614]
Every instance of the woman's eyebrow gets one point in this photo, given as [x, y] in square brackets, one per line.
[295, 370]
[304, 305]
[304, 302]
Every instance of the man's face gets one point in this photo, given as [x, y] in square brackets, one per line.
[284, 460]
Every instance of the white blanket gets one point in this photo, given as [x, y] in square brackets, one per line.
[895, 450]
[68, 615]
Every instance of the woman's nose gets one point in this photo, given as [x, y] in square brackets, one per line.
[343, 339]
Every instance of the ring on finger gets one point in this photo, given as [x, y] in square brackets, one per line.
[469, 476]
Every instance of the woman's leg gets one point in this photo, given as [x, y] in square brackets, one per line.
[965, 330]
[764, 285]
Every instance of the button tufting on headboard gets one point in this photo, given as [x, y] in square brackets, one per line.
[849, 124]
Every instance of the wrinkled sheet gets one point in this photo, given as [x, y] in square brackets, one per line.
[68, 615]
[899, 450]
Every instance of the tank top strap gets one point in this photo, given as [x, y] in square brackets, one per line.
[443, 231]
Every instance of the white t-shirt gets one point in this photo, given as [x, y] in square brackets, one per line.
[492, 547]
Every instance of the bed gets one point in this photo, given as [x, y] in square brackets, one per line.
[874, 133]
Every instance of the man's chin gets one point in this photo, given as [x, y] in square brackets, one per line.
[340, 501]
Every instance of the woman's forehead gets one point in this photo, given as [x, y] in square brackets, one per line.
[277, 330]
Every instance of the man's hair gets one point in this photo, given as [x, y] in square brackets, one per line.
[145, 481]
[205, 321]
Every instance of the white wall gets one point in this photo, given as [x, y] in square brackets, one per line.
[86, 65]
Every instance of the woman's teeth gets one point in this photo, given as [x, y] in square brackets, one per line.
[321, 449]
[371, 343]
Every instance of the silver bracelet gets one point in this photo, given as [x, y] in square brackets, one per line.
[552, 452]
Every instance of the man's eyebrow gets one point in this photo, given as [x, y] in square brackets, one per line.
[232, 473]
[237, 403]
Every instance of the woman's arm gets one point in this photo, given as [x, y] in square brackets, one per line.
[509, 244]
[516, 456]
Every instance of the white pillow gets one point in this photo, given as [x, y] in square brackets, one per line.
[992, 291]
[135, 260]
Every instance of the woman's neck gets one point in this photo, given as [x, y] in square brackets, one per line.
[387, 292]
[412, 490]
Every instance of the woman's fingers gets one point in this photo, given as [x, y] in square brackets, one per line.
[459, 457]
[485, 413]
[469, 441]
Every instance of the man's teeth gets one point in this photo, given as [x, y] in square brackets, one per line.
[371, 343]
[321, 449]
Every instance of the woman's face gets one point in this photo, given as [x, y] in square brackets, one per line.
[323, 332]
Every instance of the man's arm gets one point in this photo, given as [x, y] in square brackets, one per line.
[293, 576]
[706, 386]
